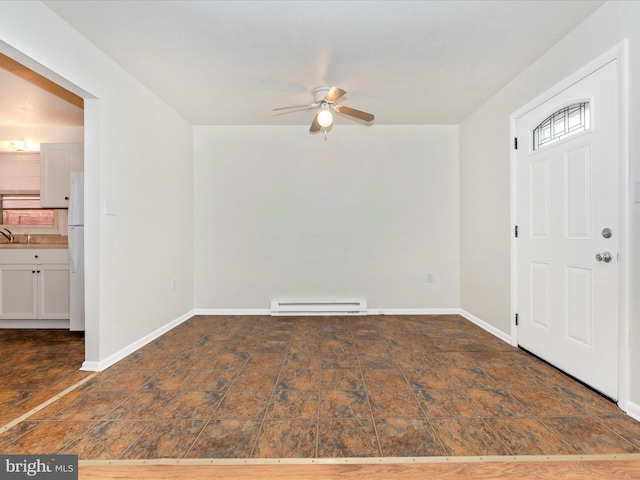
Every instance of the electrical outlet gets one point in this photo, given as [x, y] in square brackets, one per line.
[429, 277]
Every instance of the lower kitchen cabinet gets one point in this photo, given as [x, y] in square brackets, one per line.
[53, 292]
[34, 291]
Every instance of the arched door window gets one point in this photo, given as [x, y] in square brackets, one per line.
[564, 123]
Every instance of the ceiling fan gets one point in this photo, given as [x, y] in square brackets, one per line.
[324, 99]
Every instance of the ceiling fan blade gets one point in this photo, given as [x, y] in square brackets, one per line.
[313, 105]
[367, 117]
[334, 94]
[286, 112]
[315, 126]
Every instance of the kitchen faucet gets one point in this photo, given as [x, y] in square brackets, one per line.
[7, 231]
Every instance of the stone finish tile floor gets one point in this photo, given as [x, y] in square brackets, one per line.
[36, 365]
[321, 387]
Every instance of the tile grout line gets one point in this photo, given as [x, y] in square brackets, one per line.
[317, 442]
[541, 418]
[366, 389]
[208, 421]
[46, 403]
[273, 392]
[559, 435]
[598, 420]
[534, 415]
[479, 415]
[153, 421]
[499, 386]
[580, 411]
[415, 397]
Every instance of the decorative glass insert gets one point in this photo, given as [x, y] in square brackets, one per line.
[562, 124]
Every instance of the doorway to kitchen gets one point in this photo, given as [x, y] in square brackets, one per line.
[55, 125]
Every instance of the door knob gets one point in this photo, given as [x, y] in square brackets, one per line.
[603, 257]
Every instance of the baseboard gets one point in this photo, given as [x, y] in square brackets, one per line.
[370, 311]
[413, 311]
[485, 326]
[231, 311]
[633, 410]
[93, 366]
[48, 324]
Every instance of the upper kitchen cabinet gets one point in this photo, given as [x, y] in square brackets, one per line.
[57, 161]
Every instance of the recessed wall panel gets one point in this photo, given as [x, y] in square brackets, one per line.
[577, 187]
[540, 294]
[579, 301]
[539, 197]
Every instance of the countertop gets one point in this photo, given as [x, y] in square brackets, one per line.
[37, 241]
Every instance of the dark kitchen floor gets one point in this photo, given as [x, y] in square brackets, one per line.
[35, 365]
[321, 387]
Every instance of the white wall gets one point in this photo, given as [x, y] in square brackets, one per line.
[138, 154]
[484, 166]
[283, 214]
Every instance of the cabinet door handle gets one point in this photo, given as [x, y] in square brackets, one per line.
[33, 271]
[38, 271]
[66, 198]
[36, 256]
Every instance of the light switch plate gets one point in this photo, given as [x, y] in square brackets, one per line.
[110, 207]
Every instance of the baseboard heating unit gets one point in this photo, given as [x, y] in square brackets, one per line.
[318, 307]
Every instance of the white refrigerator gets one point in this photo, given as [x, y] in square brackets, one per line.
[76, 251]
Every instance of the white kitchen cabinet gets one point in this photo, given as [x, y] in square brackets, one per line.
[53, 292]
[18, 299]
[57, 161]
[34, 284]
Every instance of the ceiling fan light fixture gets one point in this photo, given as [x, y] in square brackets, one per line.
[325, 118]
[324, 99]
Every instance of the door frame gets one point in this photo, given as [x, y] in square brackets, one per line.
[92, 156]
[618, 53]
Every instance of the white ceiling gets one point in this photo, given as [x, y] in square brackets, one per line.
[408, 62]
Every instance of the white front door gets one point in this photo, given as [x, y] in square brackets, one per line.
[568, 235]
